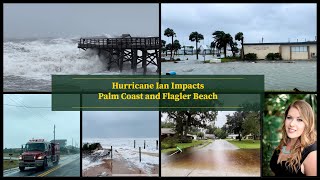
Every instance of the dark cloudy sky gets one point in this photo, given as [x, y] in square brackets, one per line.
[273, 22]
[27, 116]
[69, 20]
[120, 124]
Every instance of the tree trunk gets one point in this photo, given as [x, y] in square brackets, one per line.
[239, 136]
[171, 47]
[242, 50]
[197, 49]
[225, 51]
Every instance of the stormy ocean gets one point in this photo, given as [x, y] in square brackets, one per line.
[29, 63]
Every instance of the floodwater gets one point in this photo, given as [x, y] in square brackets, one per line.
[219, 158]
[278, 75]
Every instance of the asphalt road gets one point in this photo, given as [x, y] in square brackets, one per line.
[68, 166]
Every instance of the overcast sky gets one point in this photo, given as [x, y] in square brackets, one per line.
[273, 22]
[120, 124]
[28, 116]
[221, 118]
[70, 20]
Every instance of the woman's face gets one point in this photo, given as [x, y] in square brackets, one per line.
[294, 124]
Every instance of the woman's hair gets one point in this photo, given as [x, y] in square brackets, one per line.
[308, 136]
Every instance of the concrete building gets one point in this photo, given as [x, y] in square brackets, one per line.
[289, 50]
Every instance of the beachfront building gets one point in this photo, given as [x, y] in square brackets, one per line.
[186, 49]
[289, 51]
[204, 49]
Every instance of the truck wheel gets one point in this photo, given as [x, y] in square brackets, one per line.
[45, 164]
[21, 168]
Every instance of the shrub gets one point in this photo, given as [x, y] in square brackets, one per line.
[274, 56]
[277, 56]
[185, 139]
[270, 56]
[250, 56]
[169, 142]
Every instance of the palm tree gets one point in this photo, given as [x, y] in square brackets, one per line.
[176, 46]
[239, 37]
[168, 46]
[163, 45]
[222, 40]
[212, 46]
[195, 36]
[169, 32]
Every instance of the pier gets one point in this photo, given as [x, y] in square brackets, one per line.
[125, 49]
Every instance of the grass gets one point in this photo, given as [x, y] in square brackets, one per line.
[223, 60]
[13, 154]
[7, 164]
[187, 145]
[245, 143]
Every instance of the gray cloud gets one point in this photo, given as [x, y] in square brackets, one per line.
[273, 22]
[120, 124]
[69, 20]
[28, 116]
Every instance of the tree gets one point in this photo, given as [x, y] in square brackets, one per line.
[221, 40]
[213, 46]
[251, 124]
[234, 48]
[200, 135]
[219, 133]
[195, 36]
[176, 46]
[184, 120]
[235, 122]
[168, 46]
[163, 46]
[239, 37]
[170, 33]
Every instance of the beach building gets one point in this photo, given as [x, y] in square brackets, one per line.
[204, 49]
[289, 50]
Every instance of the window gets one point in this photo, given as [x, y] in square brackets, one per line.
[299, 48]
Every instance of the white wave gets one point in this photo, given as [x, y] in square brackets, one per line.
[124, 148]
[39, 59]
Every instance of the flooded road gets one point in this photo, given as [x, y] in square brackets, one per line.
[219, 158]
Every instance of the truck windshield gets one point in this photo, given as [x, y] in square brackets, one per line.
[35, 147]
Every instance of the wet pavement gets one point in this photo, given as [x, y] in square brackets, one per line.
[219, 158]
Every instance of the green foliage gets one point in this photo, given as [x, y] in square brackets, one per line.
[251, 124]
[219, 133]
[274, 56]
[167, 124]
[250, 56]
[185, 139]
[200, 135]
[274, 109]
[169, 142]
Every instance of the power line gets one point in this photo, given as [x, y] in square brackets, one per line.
[25, 106]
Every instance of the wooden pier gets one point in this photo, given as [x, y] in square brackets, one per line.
[124, 49]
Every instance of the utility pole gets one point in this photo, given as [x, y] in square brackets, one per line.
[54, 134]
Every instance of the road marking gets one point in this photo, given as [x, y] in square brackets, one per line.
[49, 171]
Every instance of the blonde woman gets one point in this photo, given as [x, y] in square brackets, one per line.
[296, 154]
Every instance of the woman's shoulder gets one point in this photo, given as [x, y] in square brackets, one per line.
[307, 150]
[312, 147]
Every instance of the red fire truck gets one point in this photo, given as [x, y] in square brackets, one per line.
[38, 153]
